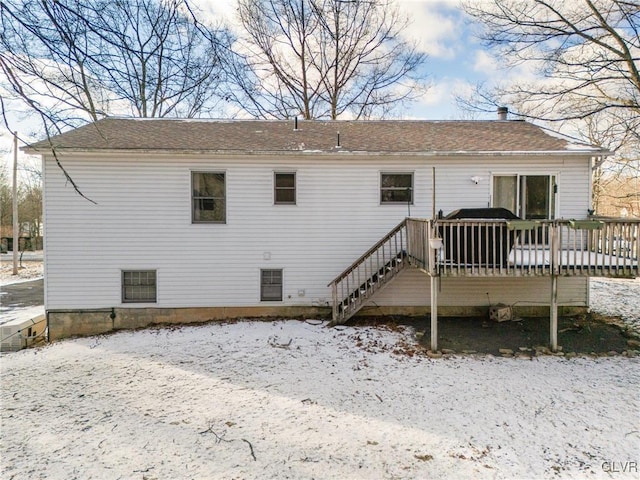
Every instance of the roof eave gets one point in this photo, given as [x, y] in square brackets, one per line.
[337, 151]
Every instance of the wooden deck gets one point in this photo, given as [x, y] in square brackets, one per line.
[591, 248]
[490, 248]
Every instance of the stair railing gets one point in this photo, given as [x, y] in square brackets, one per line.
[375, 268]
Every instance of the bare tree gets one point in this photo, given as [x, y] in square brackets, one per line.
[275, 74]
[76, 61]
[325, 59]
[585, 55]
[30, 208]
[587, 50]
[80, 60]
[6, 211]
[29, 196]
[616, 184]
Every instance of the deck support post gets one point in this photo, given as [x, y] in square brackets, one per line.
[434, 313]
[554, 314]
[334, 309]
[433, 245]
[555, 270]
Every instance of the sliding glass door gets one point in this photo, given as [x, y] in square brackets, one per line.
[528, 196]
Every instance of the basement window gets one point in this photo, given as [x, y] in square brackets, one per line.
[138, 286]
[208, 195]
[396, 188]
[284, 188]
[271, 285]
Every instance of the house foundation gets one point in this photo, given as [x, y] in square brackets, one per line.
[69, 323]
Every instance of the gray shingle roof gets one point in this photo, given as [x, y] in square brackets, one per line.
[255, 136]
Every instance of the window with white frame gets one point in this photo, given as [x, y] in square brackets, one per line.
[208, 197]
[528, 196]
[284, 185]
[396, 188]
[271, 285]
[139, 286]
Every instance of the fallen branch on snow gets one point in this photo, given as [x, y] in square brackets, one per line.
[273, 341]
[251, 448]
[220, 438]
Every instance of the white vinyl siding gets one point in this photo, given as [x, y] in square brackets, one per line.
[142, 219]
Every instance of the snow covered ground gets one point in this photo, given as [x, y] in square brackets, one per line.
[617, 298]
[30, 267]
[292, 399]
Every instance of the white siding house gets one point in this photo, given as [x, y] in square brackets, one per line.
[198, 220]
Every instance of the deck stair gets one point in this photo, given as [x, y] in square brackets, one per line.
[368, 274]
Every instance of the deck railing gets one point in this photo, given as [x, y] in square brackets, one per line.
[537, 247]
[598, 248]
[490, 248]
[419, 233]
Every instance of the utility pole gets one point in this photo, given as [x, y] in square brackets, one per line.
[16, 233]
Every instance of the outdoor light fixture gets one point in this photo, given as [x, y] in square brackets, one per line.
[476, 180]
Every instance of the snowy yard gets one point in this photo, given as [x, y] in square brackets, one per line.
[297, 400]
